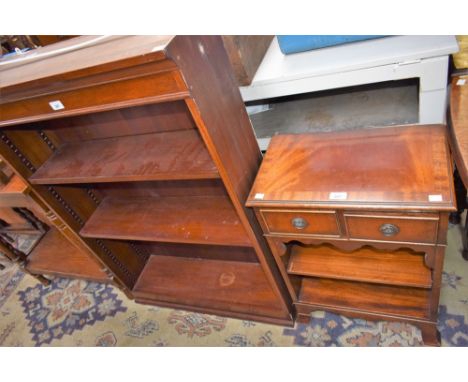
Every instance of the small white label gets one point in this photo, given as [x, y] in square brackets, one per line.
[338, 196]
[435, 198]
[461, 82]
[56, 105]
[259, 196]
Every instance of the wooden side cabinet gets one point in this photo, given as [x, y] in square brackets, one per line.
[357, 221]
[141, 146]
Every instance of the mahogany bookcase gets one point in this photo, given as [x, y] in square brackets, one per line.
[142, 153]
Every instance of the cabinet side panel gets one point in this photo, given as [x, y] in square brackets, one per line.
[221, 117]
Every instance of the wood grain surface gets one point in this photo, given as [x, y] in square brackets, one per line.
[459, 125]
[402, 267]
[189, 219]
[55, 255]
[396, 167]
[226, 285]
[384, 299]
[160, 156]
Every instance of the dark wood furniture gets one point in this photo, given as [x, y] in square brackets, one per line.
[50, 253]
[17, 218]
[458, 127]
[6, 173]
[246, 54]
[142, 153]
[357, 220]
[19, 214]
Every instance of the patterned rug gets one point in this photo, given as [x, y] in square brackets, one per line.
[80, 313]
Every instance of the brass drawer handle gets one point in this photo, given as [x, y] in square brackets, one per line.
[299, 223]
[389, 229]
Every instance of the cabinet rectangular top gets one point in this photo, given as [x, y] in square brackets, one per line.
[399, 167]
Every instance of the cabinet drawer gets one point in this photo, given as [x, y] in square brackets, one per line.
[301, 222]
[392, 228]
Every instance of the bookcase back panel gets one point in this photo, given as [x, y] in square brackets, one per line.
[201, 187]
[199, 251]
[153, 118]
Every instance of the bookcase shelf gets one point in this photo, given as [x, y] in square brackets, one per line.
[156, 156]
[55, 255]
[213, 285]
[189, 219]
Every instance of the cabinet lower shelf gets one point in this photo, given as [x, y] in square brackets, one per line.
[55, 255]
[222, 287]
[348, 297]
[402, 267]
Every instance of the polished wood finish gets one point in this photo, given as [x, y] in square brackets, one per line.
[399, 166]
[401, 267]
[458, 128]
[410, 229]
[462, 204]
[114, 168]
[162, 156]
[204, 220]
[245, 54]
[316, 222]
[14, 193]
[5, 173]
[222, 285]
[158, 87]
[235, 149]
[346, 295]
[389, 191]
[55, 255]
[86, 55]
[124, 122]
[201, 251]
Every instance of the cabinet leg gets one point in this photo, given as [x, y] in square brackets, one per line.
[43, 280]
[303, 318]
[455, 217]
[430, 334]
[465, 239]
[460, 195]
